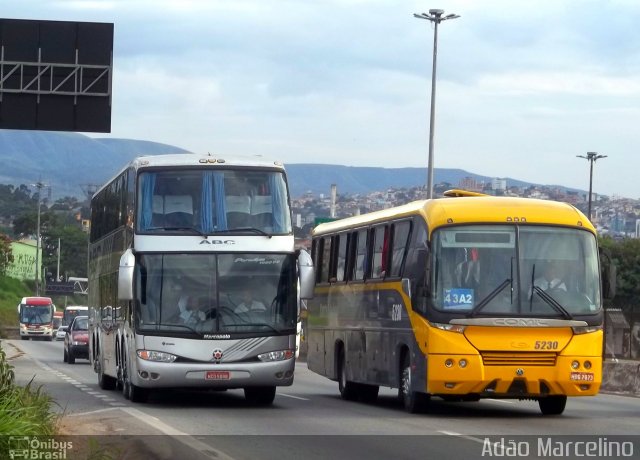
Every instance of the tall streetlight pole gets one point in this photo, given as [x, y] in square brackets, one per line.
[436, 17]
[39, 186]
[592, 157]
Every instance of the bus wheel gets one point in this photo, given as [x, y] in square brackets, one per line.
[137, 394]
[260, 396]
[348, 390]
[24, 337]
[125, 380]
[368, 393]
[552, 405]
[130, 391]
[104, 381]
[413, 401]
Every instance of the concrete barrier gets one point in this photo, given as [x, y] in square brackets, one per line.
[621, 377]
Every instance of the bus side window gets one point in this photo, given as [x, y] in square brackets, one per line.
[400, 244]
[326, 259]
[380, 251]
[342, 257]
[361, 255]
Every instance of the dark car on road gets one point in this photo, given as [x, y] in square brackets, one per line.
[76, 340]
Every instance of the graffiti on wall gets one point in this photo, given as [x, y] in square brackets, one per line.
[24, 261]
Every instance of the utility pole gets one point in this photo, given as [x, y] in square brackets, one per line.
[39, 185]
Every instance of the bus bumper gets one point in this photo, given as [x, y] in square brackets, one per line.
[215, 376]
[44, 332]
[460, 375]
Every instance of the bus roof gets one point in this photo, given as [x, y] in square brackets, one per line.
[471, 209]
[37, 301]
[198, 160]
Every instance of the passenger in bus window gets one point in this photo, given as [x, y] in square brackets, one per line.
[189, 314]
[468, 271]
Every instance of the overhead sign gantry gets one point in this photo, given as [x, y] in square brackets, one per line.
[55, 75]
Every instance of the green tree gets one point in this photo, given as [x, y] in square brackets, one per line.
[625, 254]
[6, 254]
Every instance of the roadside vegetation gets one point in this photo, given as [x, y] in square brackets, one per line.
[24, 411]
[11, 291]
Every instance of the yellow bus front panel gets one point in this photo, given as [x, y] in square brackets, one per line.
[504, 362]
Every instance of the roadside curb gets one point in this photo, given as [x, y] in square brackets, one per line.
[10, 350]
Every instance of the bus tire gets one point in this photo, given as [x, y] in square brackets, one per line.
[24, 337]
[348, 390]
[137, 394]
[104, 381]
[50, 338]
[552, 405]
[130, 391]
[260, 396]
[368, 393]
[414, 402]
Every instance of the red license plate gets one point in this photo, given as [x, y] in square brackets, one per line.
[217, 375]
[582, 376]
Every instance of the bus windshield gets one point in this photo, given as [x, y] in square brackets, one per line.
[512, 270]
[36, 314]
[211, 294]
[72, 312]
[213, 201]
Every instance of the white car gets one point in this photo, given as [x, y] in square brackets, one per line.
[62, 330]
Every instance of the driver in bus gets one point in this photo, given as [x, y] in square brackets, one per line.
[248, 303]
[553, 277]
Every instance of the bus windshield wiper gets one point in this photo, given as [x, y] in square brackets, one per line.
[190, 229]
[273, 328]
[484, 302]
[552, 302]
[246, 229]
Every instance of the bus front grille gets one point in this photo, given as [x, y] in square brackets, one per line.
[506, 358]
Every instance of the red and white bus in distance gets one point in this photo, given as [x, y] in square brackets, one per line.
[36, 318]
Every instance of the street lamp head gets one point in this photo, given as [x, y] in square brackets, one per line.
[436, 12]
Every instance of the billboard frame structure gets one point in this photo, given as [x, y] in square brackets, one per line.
[56, 75]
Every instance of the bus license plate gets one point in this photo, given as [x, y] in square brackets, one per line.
[217, 375]
[582, 376]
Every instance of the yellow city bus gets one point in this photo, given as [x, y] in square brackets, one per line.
[447, 298]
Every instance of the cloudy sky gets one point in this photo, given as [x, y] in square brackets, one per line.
[522, 87]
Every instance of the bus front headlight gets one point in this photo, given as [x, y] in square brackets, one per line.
[449, 327]
[157, 356]
[279, 355]
[585, 329]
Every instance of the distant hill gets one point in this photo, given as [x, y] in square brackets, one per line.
[318, 178]
[68, 161]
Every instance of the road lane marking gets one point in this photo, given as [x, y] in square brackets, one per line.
[460, 435]
[500, 401]
[181, 437]
[291, 396]
[91, 412]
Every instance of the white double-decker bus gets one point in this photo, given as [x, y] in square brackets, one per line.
[177, 242]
